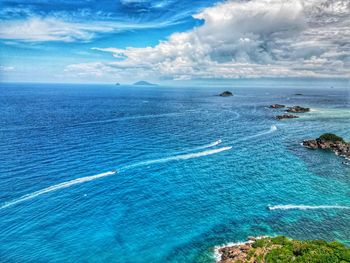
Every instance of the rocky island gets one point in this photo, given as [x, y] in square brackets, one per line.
[277, 106]
[330, 141]
[226, 94]
[282, 249]
[293, 109]
[286, 116]
[144, 83]
[298, 109]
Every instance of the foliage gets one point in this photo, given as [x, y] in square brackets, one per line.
[283, 250]
[331, 137]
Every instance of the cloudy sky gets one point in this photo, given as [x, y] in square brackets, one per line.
[172, 40]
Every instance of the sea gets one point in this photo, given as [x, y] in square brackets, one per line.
[106, 173]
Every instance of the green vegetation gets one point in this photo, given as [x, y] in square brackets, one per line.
[331, 137]
[283, 250]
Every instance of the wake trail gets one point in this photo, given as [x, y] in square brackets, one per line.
[272, 129]
[177, 157]
[201, 147]
[155, 161]
[56, 187]
[94, 177]
[306, 207]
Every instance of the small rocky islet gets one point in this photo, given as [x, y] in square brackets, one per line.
[283, 249]
[286, 116]
[298, 109]
[293, 109]
[330, 141]
[226, 94]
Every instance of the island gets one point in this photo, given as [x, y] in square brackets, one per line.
[226, 94]
[277, 106]
[286, 116]
[144, 83]
[330, 141]
[283, 249]
[293, 109]
[298, 109]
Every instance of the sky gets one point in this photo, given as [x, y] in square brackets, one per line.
[169, 41]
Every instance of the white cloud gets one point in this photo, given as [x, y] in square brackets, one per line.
[254, 38]
[40, 29]
[47, 29]
[6, 68]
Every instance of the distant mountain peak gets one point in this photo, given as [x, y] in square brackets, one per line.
[144, 83]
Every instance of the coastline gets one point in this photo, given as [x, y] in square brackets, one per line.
[281, 249]
[218, 249]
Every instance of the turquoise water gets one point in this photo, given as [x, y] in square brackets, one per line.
[194, 171]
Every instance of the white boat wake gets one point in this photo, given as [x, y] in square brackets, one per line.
[94, 177]
[56, 187]
[177, 157]
[306, 207]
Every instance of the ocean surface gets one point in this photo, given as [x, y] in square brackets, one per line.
[104, 173]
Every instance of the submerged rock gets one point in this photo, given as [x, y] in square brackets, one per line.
[277, 106]
[329, 141]
[286, 116]
[298, 109]
[226, 94]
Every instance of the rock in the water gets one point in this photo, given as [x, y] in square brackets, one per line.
[298, 109]
[277, 106]
[226, 94]
[329, 141]
[298, 94]
[144, 83]
[286, 116]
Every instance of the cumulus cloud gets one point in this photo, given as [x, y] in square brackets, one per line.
[255, 38]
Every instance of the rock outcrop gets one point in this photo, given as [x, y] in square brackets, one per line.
[282, 249]
[226, 94]
[298, 109]
[277, 106]
[286, 116]
[329, 141]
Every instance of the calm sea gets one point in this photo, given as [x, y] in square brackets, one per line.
[104, 173]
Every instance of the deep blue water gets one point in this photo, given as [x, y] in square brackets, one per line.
[178, 191]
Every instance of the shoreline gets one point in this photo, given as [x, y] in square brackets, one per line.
[217, 249]
[264, 249]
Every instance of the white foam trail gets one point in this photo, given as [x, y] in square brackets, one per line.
[272, 129]
[179, 157]
[306, 207]
[201, 147]
[209, 145]
[56, 187]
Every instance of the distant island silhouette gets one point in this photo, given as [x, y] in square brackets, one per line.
[144, 83]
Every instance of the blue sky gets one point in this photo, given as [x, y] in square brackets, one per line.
[167, 41]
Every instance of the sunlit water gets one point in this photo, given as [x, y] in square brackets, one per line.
[126, 174]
